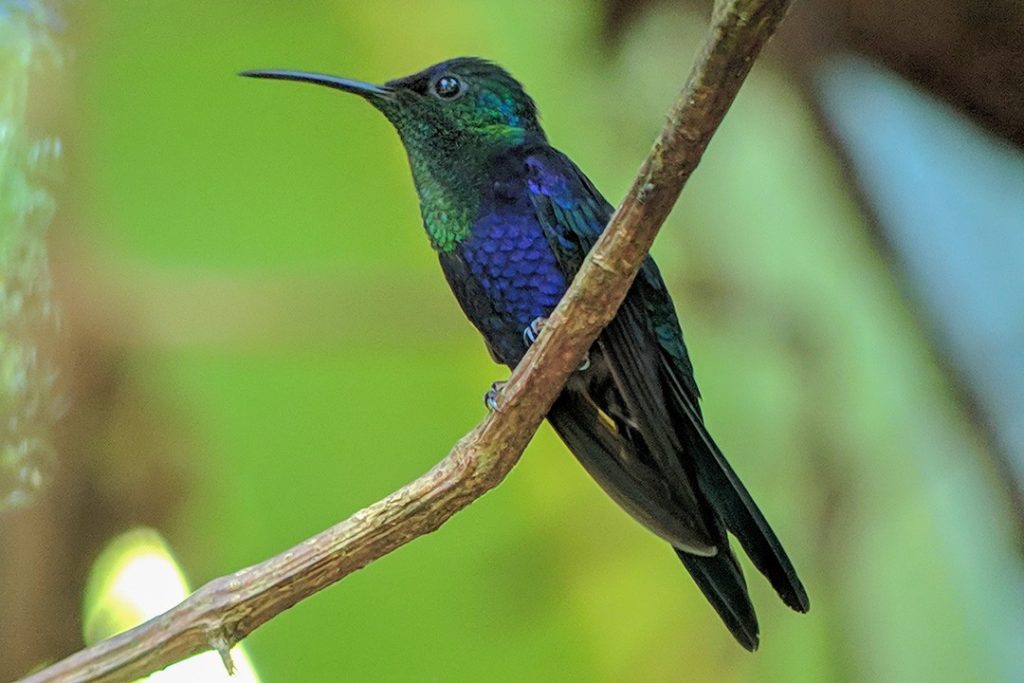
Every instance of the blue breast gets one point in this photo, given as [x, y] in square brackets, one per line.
[509, 256]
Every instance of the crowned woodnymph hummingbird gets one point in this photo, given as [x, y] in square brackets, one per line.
[511, 219]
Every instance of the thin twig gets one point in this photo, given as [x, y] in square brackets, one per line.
[227, 609]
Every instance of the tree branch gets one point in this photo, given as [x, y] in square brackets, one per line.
[227, 609]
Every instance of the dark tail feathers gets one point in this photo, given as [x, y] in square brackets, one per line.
[730, 499]
[721, 580]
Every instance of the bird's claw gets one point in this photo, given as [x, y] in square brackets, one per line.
[493, 395]
[585, 364]
[532, 331]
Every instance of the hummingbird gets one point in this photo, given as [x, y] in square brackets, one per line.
[511, 219]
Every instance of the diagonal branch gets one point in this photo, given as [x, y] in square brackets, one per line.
[227, 609]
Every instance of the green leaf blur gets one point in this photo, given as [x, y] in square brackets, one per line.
[299, 344]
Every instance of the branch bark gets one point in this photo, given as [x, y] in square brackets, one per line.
[227, 609]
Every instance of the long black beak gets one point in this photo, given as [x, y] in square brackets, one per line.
[367, 90]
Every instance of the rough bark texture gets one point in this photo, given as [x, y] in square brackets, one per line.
[227, 609]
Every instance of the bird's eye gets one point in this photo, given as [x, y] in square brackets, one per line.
[447, 87]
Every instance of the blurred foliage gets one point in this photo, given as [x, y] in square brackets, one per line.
[27, 315]
[960, 243]
[193, 192]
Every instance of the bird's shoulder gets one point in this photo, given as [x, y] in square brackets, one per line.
[542, 184]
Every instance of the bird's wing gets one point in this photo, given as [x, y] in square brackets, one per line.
[653, 372]
[573, 213]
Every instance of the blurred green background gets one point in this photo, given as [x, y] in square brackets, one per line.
[257, 341]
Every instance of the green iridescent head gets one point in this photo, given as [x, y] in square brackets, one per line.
[454, 118]
[465, 105]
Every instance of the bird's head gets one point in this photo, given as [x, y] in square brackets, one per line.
[459, 110]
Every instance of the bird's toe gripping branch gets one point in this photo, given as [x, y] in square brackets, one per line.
[532, 331]
[493, 395]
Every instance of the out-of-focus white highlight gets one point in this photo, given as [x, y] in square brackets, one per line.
[135, 578]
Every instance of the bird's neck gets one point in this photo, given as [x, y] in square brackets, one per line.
[448, 204]
[451, 183]
[450, 191]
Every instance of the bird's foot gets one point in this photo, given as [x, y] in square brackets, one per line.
[532, 331]
[493, 395]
